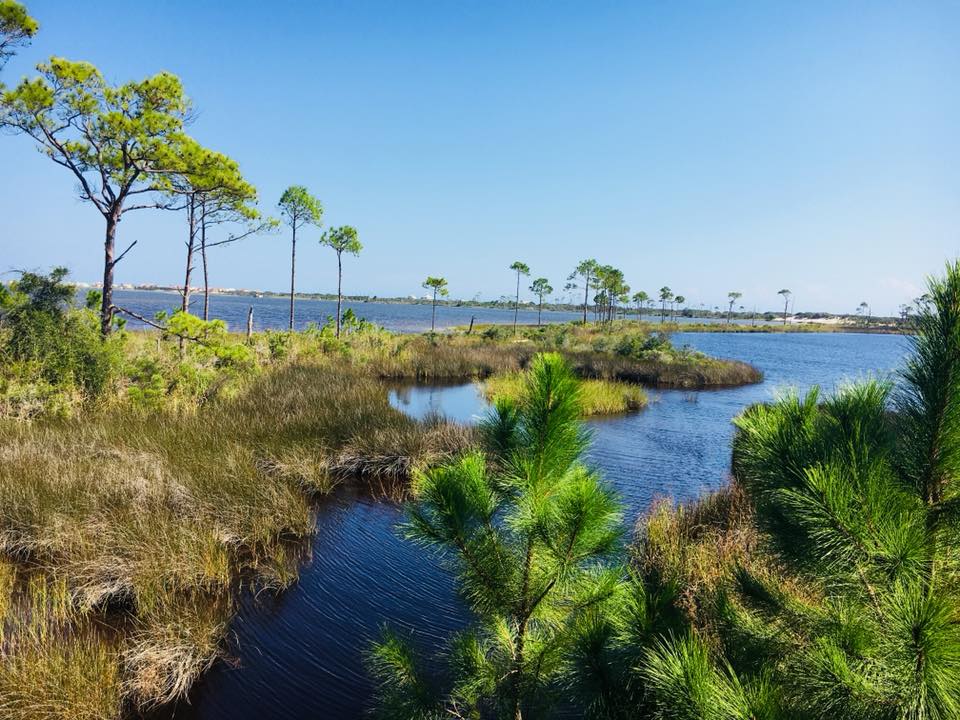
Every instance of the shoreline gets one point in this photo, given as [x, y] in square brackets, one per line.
[671, 328]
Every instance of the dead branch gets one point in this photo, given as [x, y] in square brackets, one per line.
[158, 326]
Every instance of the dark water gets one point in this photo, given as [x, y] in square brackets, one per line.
[301, 655]
[274, 312]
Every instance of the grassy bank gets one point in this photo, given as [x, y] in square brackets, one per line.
[597, 397]
[805, 326]
[139, 523]
[619, 353]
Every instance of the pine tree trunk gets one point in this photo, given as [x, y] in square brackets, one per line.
[516, 304]
[191, 238]
[433, 317]
[339, 290]
[521, 634]
[539, 311]
[586, 296]
[106, 299]
[206, 272]
[293, 271]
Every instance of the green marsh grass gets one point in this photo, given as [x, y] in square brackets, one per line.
[617, 352]
[597, 397]
[144, 521]
[54, 661]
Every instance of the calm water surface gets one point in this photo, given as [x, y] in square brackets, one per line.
[300, 655]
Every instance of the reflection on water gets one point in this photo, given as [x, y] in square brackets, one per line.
[462, 402]
[300, 655]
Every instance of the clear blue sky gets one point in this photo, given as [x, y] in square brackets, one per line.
[709, 146]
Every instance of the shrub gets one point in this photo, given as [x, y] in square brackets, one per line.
[278, 343]
[51, 341]
[640, 345]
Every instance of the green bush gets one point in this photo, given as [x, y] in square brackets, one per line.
[47, 339]
[640, 345]
[278, 343]
[149, 387]
[497, 332]
[198, 361]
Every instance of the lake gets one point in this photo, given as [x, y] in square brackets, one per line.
[300, 654]
[273, 313]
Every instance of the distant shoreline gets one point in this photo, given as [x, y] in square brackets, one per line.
[260, 294]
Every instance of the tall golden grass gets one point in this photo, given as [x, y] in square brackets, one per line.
[597, 397]
[143, 520]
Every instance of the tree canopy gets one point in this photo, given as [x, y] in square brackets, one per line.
[436, 284]
[16, 28]
[210, 187]
[298, 207]
[117, 141]
[541, 287]
[121, 143]
[342, 239]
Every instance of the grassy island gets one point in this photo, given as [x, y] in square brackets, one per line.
[618, 351]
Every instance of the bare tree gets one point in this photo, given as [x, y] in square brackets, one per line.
[732, 297]
[786, 303]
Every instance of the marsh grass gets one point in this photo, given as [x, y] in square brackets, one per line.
[173, 644]
[75, 677]
[597, 397]
[618, 355]
[143, 521]
[54, 661]
[707, 576]
[694, 547]
[670, 371]
[152, 373]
